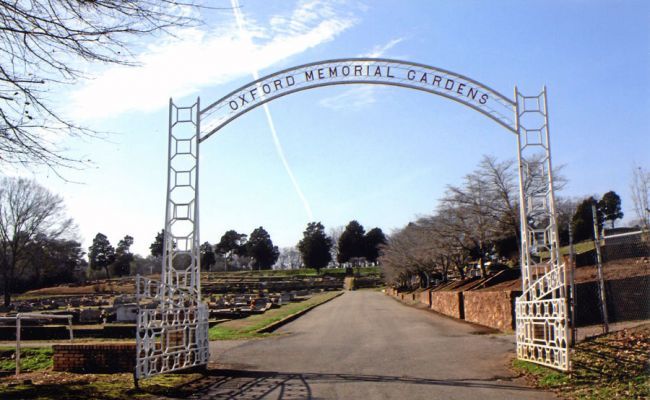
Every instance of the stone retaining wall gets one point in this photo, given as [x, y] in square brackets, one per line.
[627, 300]
[94, 358]
[448, 303]
[492, 309]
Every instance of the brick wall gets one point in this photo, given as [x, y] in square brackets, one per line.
[492, 309]
[448, 303]
[94, 358]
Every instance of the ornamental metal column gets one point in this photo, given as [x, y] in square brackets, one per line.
[541, 311]
[172, 320]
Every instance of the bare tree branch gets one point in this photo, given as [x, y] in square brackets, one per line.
[46, 43]
[27, 210]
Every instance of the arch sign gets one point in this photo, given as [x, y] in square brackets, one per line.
[172, 331]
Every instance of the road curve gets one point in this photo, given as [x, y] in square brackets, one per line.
[365, 345]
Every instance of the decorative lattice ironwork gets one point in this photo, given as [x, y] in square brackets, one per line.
[172, 321]
[541, 311]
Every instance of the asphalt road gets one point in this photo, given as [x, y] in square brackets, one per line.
[366, 345]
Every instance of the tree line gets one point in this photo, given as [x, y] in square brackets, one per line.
[476, 221]
[236, 251]
[39, 245]
[476, 224]
[316, 249]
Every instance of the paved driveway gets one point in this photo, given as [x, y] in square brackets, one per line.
[365, 345]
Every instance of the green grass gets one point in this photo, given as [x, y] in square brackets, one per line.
[578, 248]
[249, 327]
[547, 378]
[614, 366]
[31, 359]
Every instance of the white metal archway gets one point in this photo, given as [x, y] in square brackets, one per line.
[172, 329]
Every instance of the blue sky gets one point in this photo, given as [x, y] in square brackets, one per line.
[381, 155]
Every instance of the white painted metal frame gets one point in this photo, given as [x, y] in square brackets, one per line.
[20, 316]
[172, 331]
[541, 311]
[172, 320]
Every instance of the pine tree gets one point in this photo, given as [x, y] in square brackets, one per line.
[101, 254]
[351, 242]
[260, 247]
[315, 246]
[208, 258]
[582, 221]
[610, 207]
[372, 240]
[123, 256]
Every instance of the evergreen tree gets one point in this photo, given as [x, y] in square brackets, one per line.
[208, 258]
[582, 221]
[232, 243]
[610, 207]
[315, 247]
[123, 257]
[157, 246]
[260, 248]
[372, 240]
[101, 254]
[351, 242]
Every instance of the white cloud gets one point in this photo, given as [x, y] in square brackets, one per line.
[352, 99]
[198, 58]
[359, 97]
[380, 50]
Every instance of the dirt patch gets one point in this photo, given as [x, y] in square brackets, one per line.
[613, 270]
[612, 366]
[113, 286]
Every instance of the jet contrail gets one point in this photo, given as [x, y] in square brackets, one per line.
[276, 141]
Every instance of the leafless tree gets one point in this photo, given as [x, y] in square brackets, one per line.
[26, 210]
[472, 207]
[335, 235]
[452, 251]
[469, 222]
[565, 208]
[417, 250]
[289, 258]
[47, 43]
[501, 182]
[641, 195]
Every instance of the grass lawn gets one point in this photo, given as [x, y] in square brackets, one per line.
[31, 359]
[614, 366]
[578, 248]
[249, 327]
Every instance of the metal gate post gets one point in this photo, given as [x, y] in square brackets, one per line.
[541, 311]
[172, 321]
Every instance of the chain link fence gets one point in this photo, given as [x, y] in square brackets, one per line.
[610, 282]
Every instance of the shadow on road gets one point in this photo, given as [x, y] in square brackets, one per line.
[241, 384]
